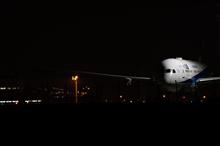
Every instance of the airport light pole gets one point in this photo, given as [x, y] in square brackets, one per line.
[75, 79]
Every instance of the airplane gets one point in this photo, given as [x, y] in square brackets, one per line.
[177, 73]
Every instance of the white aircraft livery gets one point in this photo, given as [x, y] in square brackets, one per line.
[177, 73]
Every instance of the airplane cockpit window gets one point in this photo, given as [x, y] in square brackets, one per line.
[170, 71]
[167, 70]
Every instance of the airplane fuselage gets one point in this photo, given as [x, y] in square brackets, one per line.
[178, 71]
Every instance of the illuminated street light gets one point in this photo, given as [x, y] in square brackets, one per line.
[75, 78]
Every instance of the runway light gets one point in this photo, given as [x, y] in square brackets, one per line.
[204, 97]
[131, 101]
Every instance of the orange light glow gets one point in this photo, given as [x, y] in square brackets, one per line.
[74, 78]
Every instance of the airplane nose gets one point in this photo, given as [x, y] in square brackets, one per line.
[166, 78]
[169, 72]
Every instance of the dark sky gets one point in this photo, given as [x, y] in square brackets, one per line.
[116, 39]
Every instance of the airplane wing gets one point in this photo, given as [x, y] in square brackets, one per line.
[208, 79]
[129, 78]
[116, 76]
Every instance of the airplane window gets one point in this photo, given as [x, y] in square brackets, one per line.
[174, 71]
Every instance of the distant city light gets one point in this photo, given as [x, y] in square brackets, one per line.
[9, 88]
[183, 97]
[9, 101]
[2, 88]
[33, 101]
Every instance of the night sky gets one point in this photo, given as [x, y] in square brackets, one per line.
[125, 40]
